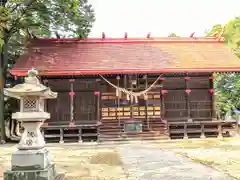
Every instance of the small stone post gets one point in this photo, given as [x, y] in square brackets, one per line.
[32, 161]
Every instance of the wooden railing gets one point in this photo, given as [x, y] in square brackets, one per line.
[203, 129]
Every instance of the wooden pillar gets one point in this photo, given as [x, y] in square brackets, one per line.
[71, 94]
[45, 82]
[131, 100]
[188, 91]
[98, 100]
[61, 136]
[146, 122]
[202, 131]
[162, 92]
[98, 96]
[220, 131]
[80, 135]
[118, 101]
[125, 81]
[98, 108]
[185, 131]
[211, 85]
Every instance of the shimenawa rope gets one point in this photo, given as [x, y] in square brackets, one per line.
[130, 93]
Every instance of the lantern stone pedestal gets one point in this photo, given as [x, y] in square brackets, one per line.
[32, 161]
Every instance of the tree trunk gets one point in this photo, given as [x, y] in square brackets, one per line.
[3, 64]
[2, 122]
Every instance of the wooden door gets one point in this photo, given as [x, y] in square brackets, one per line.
[59, 109]
[85, 104]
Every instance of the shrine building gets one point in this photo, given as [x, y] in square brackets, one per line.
[130, 88]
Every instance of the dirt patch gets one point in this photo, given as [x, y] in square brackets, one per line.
[109, 158]
[78, 163]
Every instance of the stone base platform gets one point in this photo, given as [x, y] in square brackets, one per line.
[31, 160]
[48, 173]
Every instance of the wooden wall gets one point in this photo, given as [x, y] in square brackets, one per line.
[188, 98]
[81, 107]
[170, 102]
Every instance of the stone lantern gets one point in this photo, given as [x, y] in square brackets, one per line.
[32, 160]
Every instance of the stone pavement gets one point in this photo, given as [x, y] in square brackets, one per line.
[144, 163]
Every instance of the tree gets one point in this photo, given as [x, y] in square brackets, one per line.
[227, 85]
[21, 20]
[172, 35]
[216, 29]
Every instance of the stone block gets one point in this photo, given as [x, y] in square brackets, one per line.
[31, 160]
[46, 174]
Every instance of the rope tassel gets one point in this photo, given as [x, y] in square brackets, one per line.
[145, 97]
[136, 99]
[130, 93]
[131, 98]
[128, 98]
[117, 92]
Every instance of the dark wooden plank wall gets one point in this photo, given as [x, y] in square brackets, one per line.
[176, 104]
[59, 108]
[84, 101]
[181, 106]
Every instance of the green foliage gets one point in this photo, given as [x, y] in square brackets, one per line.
[227, 85]
[22, 20]
[172, 35]
[215, 29]
[1, 40]
[232, 34]
[44, 17]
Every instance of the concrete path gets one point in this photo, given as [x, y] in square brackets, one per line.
[145, 163]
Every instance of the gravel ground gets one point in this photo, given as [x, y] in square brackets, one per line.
[144, 163]
[141, 161]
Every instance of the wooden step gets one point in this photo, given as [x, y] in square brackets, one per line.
[109, 139]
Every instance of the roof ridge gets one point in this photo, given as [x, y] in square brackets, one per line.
[134, 40]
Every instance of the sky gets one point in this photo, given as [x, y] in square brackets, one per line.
[160, 17]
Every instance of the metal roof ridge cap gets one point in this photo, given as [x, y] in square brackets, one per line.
[112, 40]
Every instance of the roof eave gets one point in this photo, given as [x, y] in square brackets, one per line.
[127, 71]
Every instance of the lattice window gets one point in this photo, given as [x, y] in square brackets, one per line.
[30, 104]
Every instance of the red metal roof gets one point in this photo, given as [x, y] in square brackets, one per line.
[125, 55]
